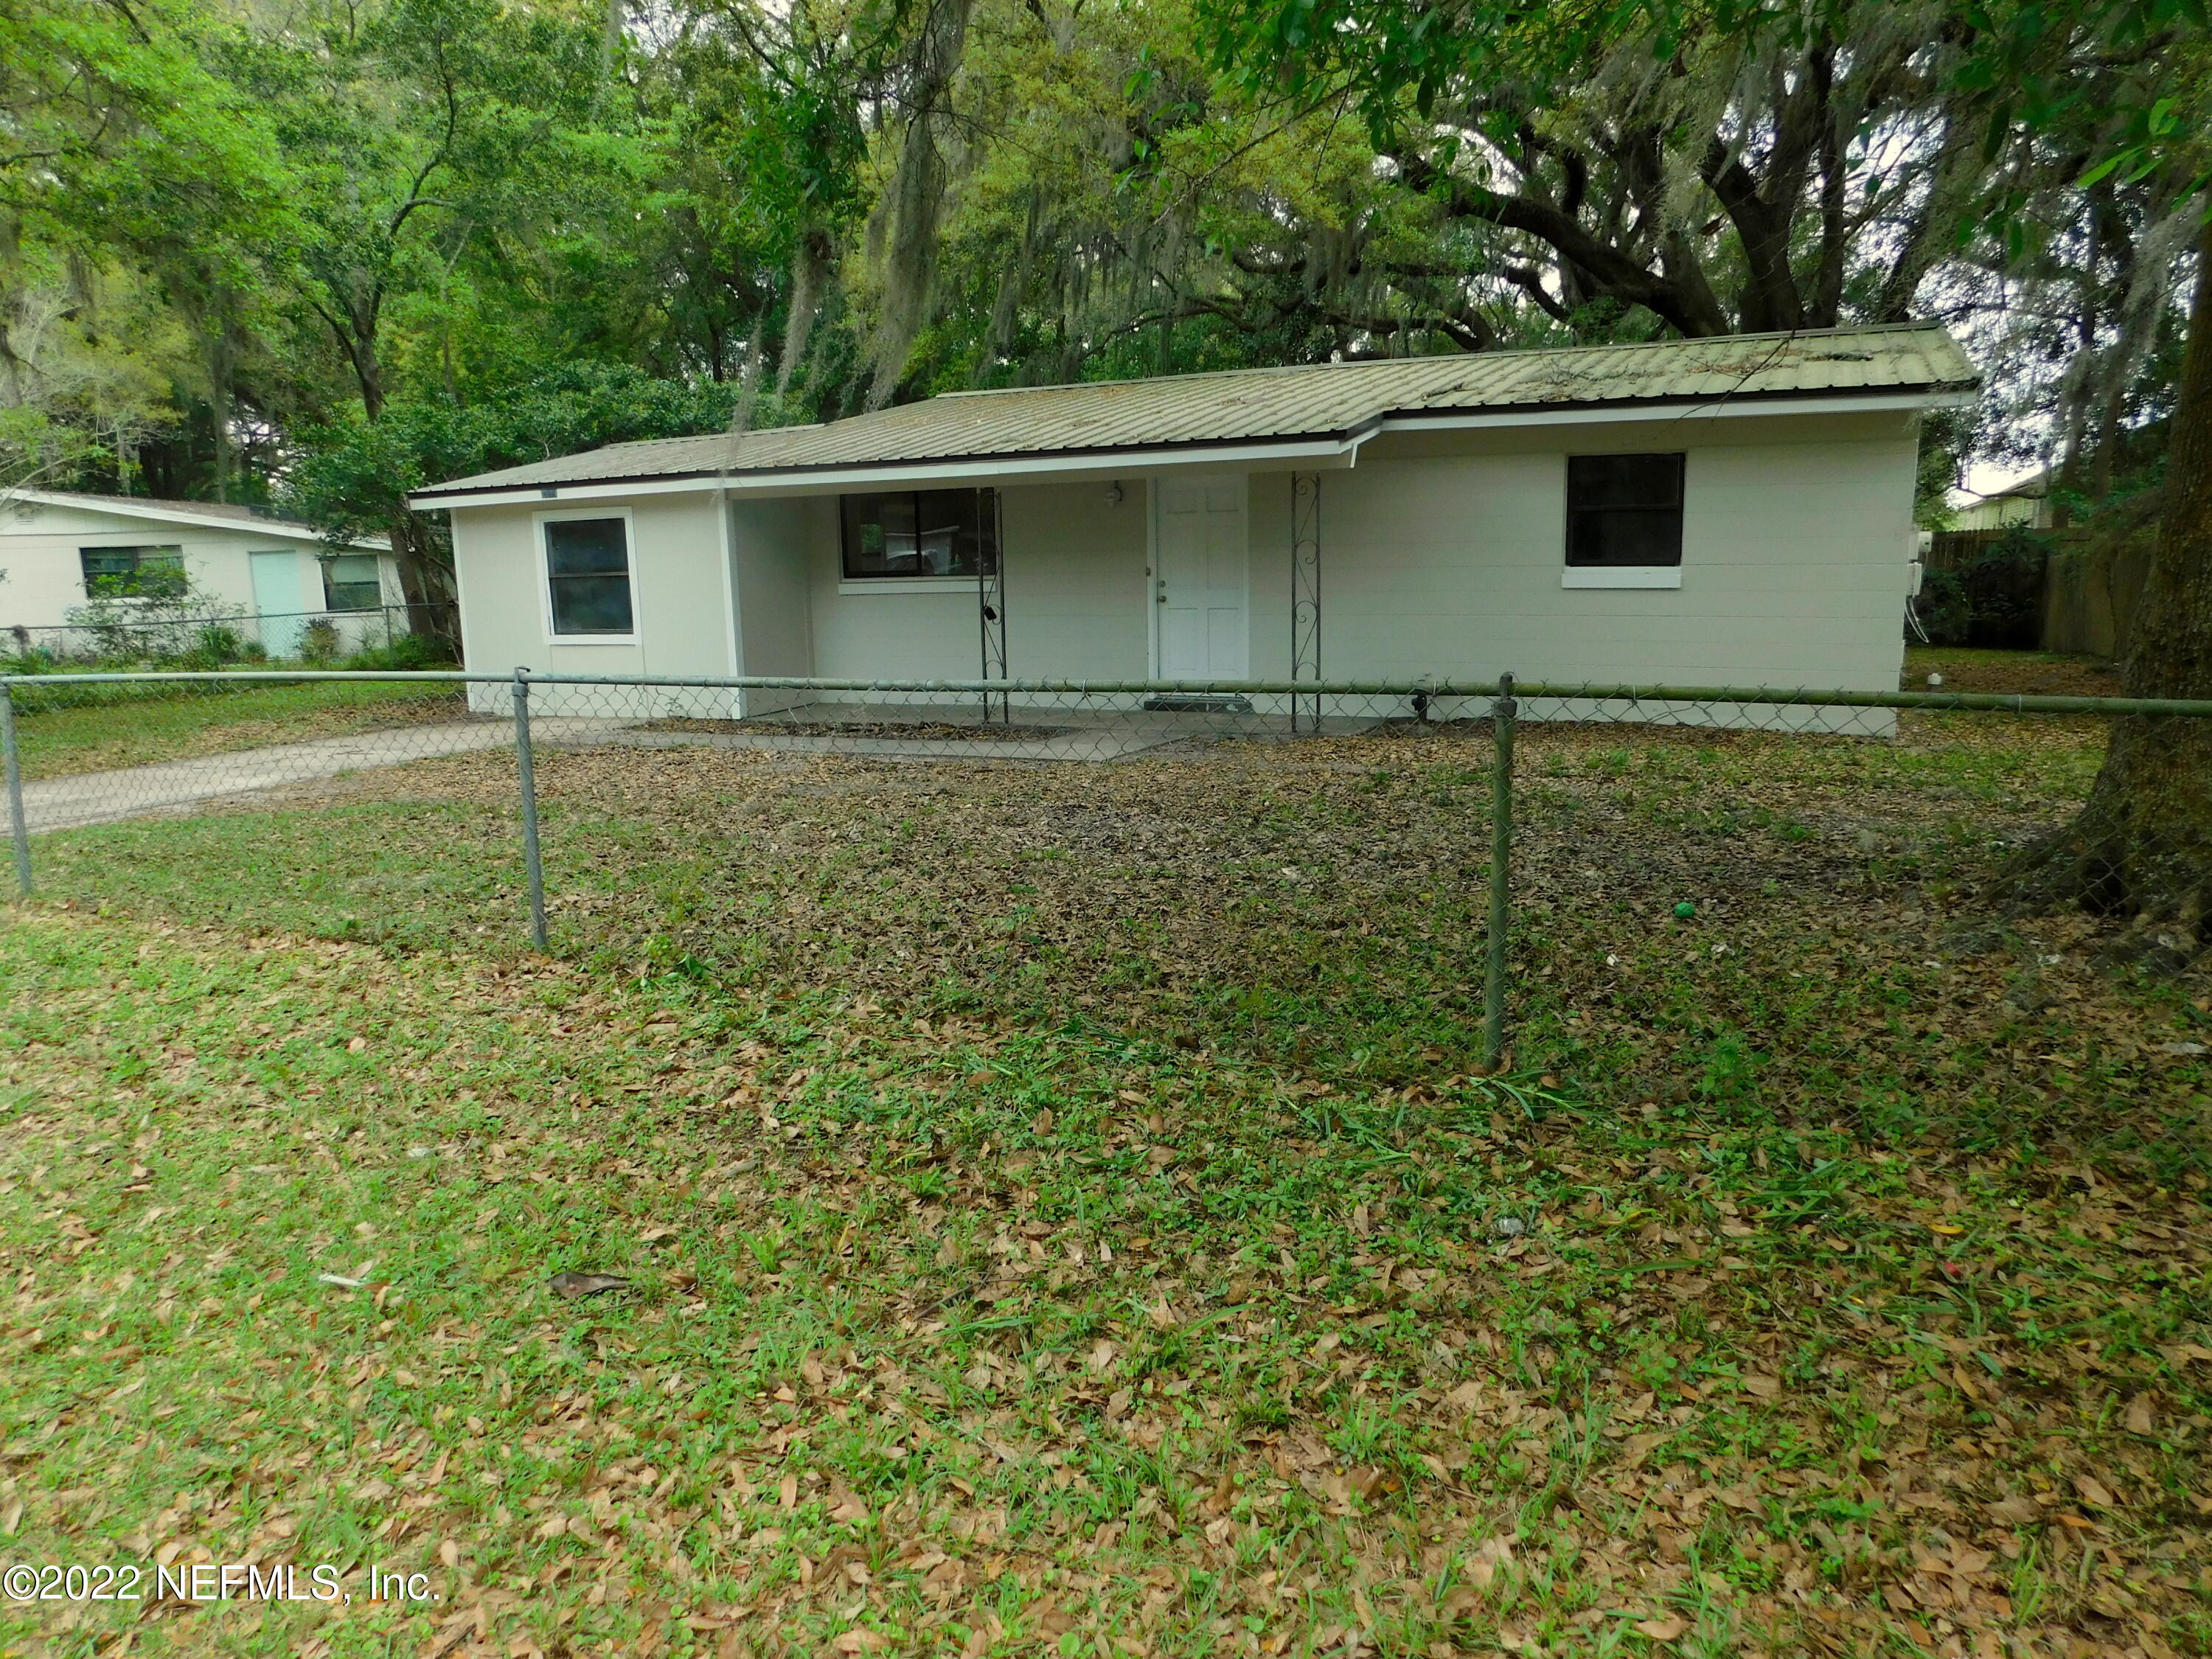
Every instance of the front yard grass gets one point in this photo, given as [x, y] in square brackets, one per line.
[960, 1334]
[65, 732]
[1062, 1213]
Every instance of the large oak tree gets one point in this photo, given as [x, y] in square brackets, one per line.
[1716, 163]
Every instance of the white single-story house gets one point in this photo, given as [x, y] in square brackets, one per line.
[1723, 511]
[265, 578]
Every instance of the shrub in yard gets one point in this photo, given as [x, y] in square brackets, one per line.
[217, 646]
[2004, 592]
[319, 641]
[127, 631]
[409, 653]
[1943, 609]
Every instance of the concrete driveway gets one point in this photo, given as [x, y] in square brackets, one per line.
[132, 792]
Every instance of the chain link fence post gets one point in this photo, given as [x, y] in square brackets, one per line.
[1503, 713]
[532, 863]
[18, 827]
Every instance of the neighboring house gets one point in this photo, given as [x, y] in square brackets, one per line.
[2026, 503]
[1733, 511]
[60, 551]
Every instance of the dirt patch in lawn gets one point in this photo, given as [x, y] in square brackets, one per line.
[2011, 674]
[903, 730]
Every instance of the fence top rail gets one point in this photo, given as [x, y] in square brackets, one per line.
[1434, 691]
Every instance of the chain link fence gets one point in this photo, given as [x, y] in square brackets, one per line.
[121, 633]
[1725, 900]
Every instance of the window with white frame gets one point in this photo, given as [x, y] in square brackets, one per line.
[587, 577]
[352, 582]
[907, 533]
[1623, 511]
[133, 572]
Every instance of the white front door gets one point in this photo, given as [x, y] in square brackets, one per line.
[277, 597]
[1200, 597]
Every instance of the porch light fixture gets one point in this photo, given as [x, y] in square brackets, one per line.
[1114, 494]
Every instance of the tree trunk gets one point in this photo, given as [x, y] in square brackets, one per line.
[2142, 845]
[425, 578]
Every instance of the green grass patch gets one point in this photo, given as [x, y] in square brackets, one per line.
[976, 1334]
[1062, 1214]
[65, 731]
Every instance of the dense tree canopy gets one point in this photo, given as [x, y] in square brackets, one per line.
[320, 251]
[307, 250]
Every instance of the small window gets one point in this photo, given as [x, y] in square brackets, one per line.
[587, 571]
[133, 572]
[352, 582]
[1625, 511]
[927, 532]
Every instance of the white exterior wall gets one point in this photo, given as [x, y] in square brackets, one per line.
[42, 577]
[1074, 590]
[680, 600]
[1797, 537]
[772, 572]
[1442, 556]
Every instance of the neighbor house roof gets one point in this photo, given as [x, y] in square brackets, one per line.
[201, 514]
[1256, 408]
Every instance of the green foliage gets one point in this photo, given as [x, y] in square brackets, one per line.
[252, 243]
[354, 475]
[121, 130]
[1946, 614]
[408, 654]
[153, 620]
[2004, 590]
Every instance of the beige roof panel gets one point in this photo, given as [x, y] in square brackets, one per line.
[1263, 406]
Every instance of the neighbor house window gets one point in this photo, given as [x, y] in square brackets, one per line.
[352, 582]
[925, 533]
[1624, 511]
[587, 573]
[133, 572]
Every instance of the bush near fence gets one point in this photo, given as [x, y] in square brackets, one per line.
[192, 634]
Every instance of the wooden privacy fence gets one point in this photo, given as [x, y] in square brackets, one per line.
[2089, 588]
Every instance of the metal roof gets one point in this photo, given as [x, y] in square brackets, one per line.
[230, 515]
[1260, 406]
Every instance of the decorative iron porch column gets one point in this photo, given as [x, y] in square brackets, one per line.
[991, 603]
[1305, 590]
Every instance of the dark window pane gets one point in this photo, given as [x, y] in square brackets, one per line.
[586, 547]
[1624, 480]
[591, 605]
[880, 535]
[931, 533]
[1625, 510]
[1634, 537]
[588, 564]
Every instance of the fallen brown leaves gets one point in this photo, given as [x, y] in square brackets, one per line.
[1174, 1326]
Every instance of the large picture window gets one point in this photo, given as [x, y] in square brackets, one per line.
[926, 532]
[133, 572]
[587, 575]
[351, 581]
[1624, 511]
